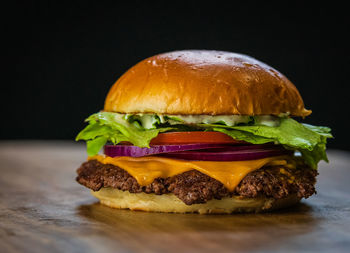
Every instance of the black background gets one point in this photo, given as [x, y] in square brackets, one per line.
[60, 60]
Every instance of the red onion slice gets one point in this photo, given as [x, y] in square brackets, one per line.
[199, 152]
[243, 147]
[239, 155]
[134, 151]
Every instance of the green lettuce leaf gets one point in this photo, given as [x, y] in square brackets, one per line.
[94, 146]
[243, 136]
[317, 154]
[289, 132]
[107, 126]
[309, 140]
[147, 121]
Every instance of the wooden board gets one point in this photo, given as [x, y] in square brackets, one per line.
[43, 209]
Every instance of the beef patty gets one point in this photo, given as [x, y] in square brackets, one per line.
[194, 187]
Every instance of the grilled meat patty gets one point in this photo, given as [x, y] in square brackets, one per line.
[194, 187]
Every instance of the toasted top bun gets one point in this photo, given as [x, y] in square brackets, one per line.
[204, 82]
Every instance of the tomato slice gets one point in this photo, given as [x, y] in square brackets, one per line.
[193, 137]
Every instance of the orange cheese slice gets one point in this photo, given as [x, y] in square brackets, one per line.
[146, 169]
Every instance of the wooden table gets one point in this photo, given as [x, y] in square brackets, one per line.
[43, 209]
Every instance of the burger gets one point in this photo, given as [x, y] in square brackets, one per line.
[202, 131]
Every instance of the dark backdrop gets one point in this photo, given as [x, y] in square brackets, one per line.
[61, 59]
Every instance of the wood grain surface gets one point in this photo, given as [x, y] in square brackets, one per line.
[43, 209]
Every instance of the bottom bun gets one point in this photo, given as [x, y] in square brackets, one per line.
[169, 203]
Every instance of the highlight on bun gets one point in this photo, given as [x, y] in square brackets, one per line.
[193, 82]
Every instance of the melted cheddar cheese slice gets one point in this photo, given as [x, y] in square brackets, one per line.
[146, 169]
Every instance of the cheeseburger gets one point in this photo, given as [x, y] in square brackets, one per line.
[202, 131]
